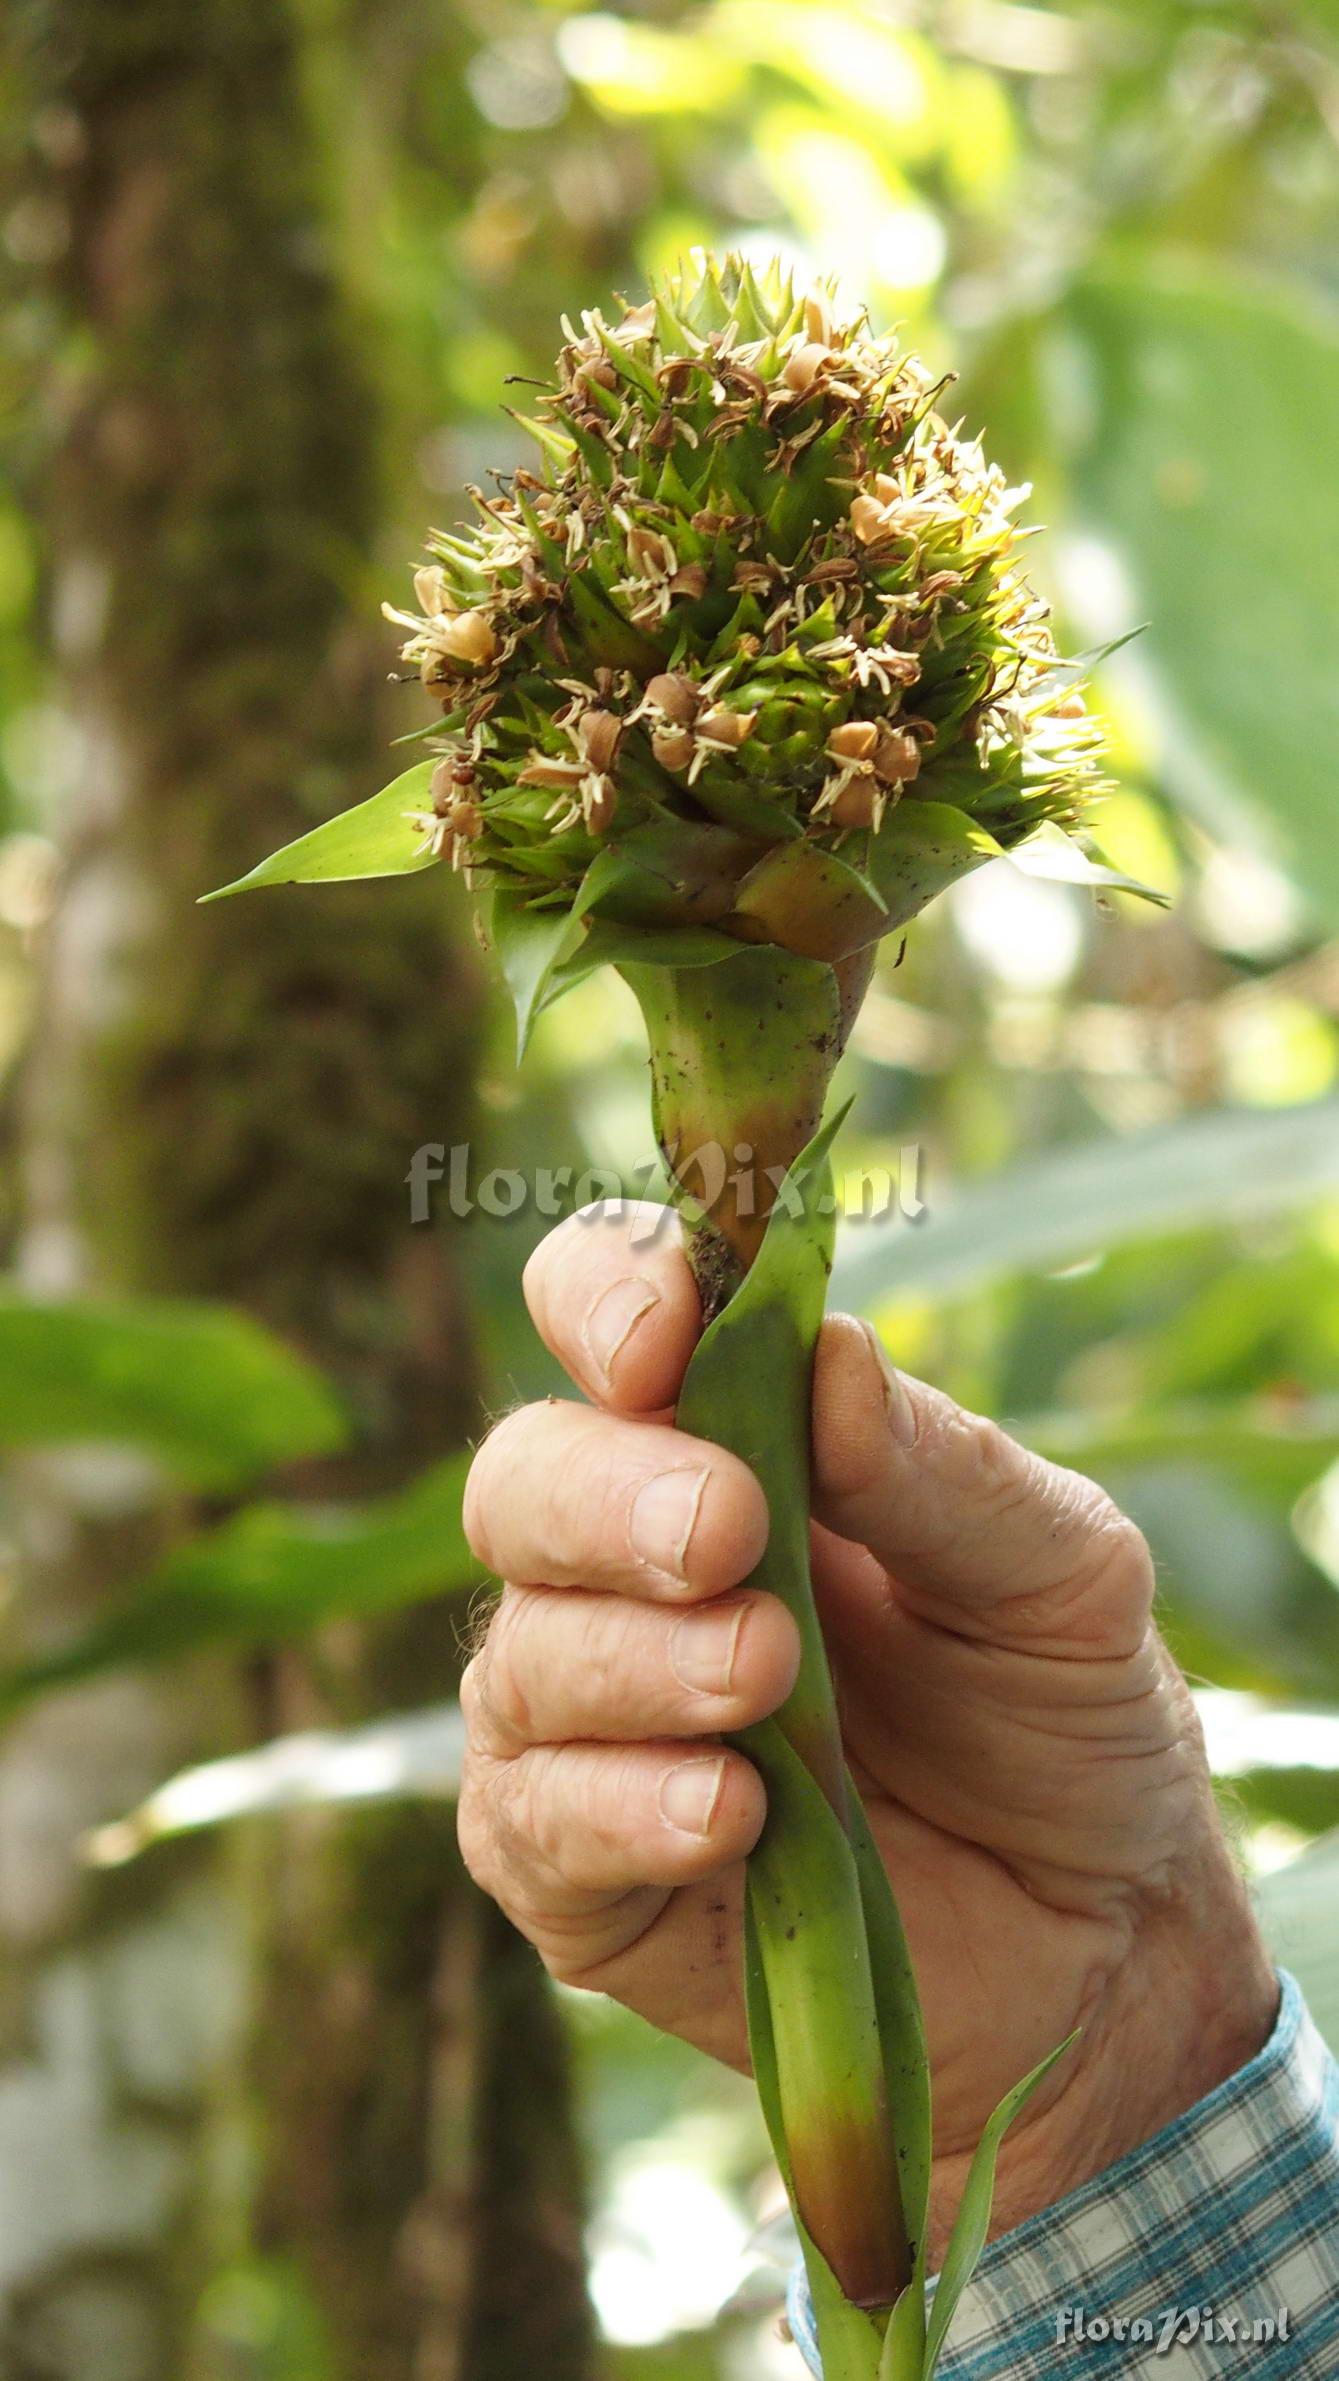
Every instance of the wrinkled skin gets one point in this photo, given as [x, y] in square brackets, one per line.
[1028, 1751]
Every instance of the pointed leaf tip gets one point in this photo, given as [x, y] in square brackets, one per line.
[375, 838]
[530, 943]
[1052, 854]
[972, 2221]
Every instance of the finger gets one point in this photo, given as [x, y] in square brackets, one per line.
[563, 1832]
[961, 1514]
[558, 1665]
[614, 1300]
[564, 1497]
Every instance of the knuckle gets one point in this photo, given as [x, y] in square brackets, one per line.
[1100, 1582]
[479, 1488]
[490, 1483]
[471, 1693]
[1119, 1563]
[1000, 1475]
[539, 1828]
[592, 1498]
[610, 1651]
[518, 1816]
[503, 1704]
[538, 1267]
[571, 1820]
[607, 1809]
[475, 1833]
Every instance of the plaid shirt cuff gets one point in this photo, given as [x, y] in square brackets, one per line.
[1213, 2248]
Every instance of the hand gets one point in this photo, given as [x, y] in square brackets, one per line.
[1028, 1751]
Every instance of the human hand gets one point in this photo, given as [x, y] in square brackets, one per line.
[1028, 1752]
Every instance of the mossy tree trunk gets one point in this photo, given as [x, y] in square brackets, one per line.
[223, 1102]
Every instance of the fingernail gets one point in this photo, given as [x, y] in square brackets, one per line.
[898, 1408]
[663, 1516]
[689, 1795]
[702, 1648]
[614, 1317]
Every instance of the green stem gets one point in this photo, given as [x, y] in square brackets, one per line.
[742, 1056]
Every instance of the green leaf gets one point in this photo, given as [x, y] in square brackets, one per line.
[811, 1995]
[1239, 1599]
[669, 871]
[1304, 1799]
[1215, 1168]
[812, 901]
[530, 943]
[272, 1573]
[748, 1388]
[1199, 406]
[211, 1392]
[606, 945]
[850, 2342]
[1052, 854]
[608, 873]
[903, 2357]
[1253, 1444]
[901, 2036]
[376, 838]
[921, 848]
[972, 2222]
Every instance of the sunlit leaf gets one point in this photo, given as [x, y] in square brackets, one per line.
[414, 1753]
[1259, 1447]
[902, 2035]
[812, 901]
[1056, 857]
[1215, 1168]
[1197, 408]
[921, 848]
[903, 2357]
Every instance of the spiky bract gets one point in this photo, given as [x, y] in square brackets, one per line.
[758, 595]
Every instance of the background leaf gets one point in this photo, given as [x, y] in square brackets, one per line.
[414, 1753]
[1213, 1167]
[270, 1573]
[1299, 1906]
[207, 1389]
[1196, 408]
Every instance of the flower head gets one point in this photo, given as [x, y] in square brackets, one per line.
[754, 636]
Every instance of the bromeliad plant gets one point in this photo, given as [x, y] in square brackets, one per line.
[734, 682]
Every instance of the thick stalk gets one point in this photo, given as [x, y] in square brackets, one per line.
[742, 1055]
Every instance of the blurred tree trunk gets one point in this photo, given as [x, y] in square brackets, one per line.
[223, 1102]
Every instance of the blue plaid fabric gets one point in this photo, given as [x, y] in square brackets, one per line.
[1231, 2213]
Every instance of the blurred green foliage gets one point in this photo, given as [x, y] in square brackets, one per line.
[1121, 224]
